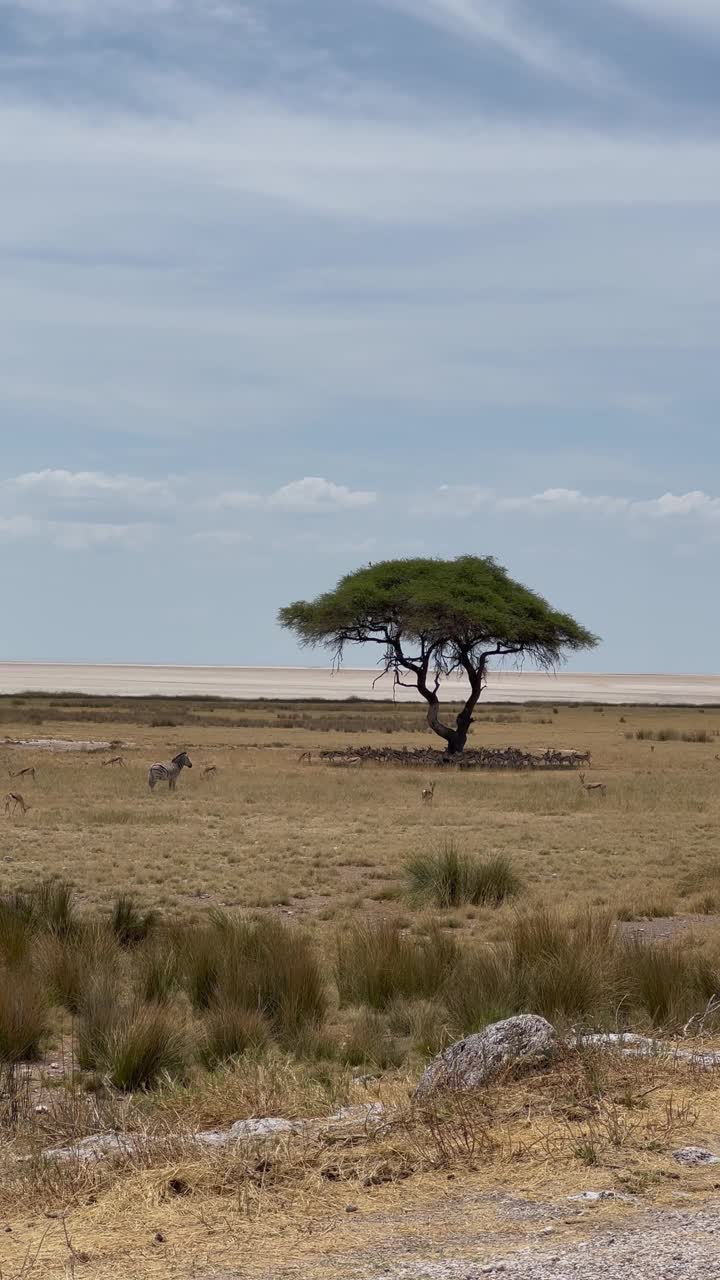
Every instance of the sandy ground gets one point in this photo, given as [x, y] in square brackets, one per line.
[320, 682]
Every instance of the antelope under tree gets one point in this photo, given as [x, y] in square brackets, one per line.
[436, 618]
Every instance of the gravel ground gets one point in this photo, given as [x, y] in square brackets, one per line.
[680, 1245]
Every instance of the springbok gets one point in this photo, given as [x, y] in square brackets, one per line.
[600, 787]
[113, 761]
[13, 801]
[28, 772]
[209, 771]
[427, 793]
[169, 772]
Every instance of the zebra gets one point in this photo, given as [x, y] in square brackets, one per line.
[169, 772]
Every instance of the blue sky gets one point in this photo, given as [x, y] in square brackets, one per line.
[290, 285]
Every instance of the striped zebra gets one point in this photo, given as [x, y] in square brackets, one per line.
[169, 772]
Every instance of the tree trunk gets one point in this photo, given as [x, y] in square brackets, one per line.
[456, 738]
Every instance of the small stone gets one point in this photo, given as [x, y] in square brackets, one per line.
[593, 1196]
[159, 1238]
[695, 1156]
[351, 1208]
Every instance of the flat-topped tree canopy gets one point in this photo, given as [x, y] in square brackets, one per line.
[435, 617]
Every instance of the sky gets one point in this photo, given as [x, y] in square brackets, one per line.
[292, 285]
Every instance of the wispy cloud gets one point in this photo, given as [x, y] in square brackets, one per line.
[464, 500]
[704, 15]
[77, 535]
[310, 495]
[504, 24]
[77, 486]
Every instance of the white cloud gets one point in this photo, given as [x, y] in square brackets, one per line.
[315, 494]
[78, 486]
[311, 494]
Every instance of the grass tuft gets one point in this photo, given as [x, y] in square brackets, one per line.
[376, 962]
[449, 878]
[129, 924]
[23, 1017]
[230, 1031]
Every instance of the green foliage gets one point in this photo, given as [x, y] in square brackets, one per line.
[450, 878]
[468, 604]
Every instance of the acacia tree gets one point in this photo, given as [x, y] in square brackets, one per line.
[435, 618]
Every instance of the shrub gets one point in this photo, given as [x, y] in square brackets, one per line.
[230, 1031]
[376, 962]
[23, 1017]
[145, 1045]
[450, 878]
[129, 924]
[369, 1043]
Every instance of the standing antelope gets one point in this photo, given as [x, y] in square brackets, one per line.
[113, 761]
[209, 771]
[169, 772]
[13, 801]
[592, 786]
[428, 793]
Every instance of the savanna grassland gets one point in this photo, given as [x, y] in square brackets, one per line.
[324, 843]
[286, 938]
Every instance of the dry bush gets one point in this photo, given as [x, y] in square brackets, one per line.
[369, 1043]
[24, 1024]
[229, 1031]
[376, 962]
[68, 964]
[145, 1045]
[258, 965]
[129, 924]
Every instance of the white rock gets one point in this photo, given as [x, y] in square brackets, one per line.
[469, 1063]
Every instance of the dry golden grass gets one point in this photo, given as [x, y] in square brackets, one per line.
[325, 847]
[322, 843]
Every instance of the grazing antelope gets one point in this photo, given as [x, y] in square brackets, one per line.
[209, 771]
[427, 793]
[13, 801]
[113, 760]
[29, 772]
[169, 772]
[593, 786]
